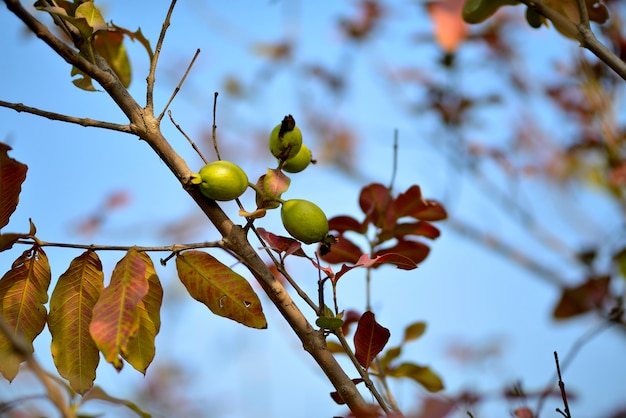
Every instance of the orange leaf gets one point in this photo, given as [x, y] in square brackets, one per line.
[12, 175]
[116, 314]
[141, 349]
[23, 293]
[75, 354]
[223, 291]
[369, 339]
[450, 29]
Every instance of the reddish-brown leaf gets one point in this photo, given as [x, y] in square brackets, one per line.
[583, 298]
[337, 398]
[369, 339]
[350, 317]
[141, 349]
[116, 315]
[75, 354]
[12, 175]
[419, 228]
[344, 223]
[281, 244]
[414, 250]
[409, 202]
[275, 182]
[23, 293]
[433, 211]
[223, 291]
[376, 202]
[7, 240]
[344, 251]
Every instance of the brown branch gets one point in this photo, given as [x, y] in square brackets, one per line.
[566, 412]
[87, 122]
[583, 34]
[147, 127]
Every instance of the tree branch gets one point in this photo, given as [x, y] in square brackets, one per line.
[582, 33]
[87, 122]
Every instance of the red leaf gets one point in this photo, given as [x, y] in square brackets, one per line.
[12, 175]
[369, 339]
[376, 202]
[419, 228]
[281, 244]
[342, 224]
[409, 202]
[433, 211]
[349, 318]
[344, 251]
[414, 250]
[583, 298]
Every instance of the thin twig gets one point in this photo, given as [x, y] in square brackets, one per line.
[364, 374]
[169, 248]
[180, 84]
[214, 129]
[193, 144]
[565, 413]
[87, 122]
[155, 58]
[394, 168]
[584, 13]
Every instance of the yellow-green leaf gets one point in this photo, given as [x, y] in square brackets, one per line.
[75, 354]
[116, 314]
[23, 293]
[223, 291]
[110, 45]
[92, 15]
[414, 331]
[421, 374]
[141, 349]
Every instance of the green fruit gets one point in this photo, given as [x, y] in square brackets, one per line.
[301, 161]
[221, 180]
[476, 11]
[304, 220]
[285, 139]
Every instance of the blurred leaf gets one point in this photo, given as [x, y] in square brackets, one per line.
[223, 291]
[349, 317]
[116, 314]
[98, 393]
[110, 45]
[583, 298]
[369, 339]
[344, 251]
[414, 331]
[12, 175]
[413, 250]
[23, 293]
[620, 260]
[75, 354]
[141, 349]
[335, 348]
[390, 355]
[136, 36]
[420, 374]
[342, 224]
[449, 27]
[436, 407]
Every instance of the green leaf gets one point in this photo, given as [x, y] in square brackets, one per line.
[75, 354]
[23, 293]
[12, 175]
[116, 314]
[141, 348]
[420, 374]
[223, 291]
[98, 393]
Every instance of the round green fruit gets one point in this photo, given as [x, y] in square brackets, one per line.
[476, 11]
[304, 220]
[221, 180]
[301, 161]
[285, 139]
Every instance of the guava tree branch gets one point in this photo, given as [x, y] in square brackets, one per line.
[583, 34]
[144, 124]
[19, 107]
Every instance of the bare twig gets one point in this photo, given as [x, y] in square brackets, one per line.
[214, 129]
[193, 144]
[180, 84]
[155, 59]
[173, 248]
[87, 122]
[565, 413]
[584, 20]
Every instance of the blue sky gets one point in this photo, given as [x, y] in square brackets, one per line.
[463, 291]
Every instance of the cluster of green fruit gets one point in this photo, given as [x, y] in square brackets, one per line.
[224, 181]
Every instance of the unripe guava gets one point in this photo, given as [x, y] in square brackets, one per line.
[476, 11]
[304, 220]
[221, 180]
[285, 139]
[301, 161]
